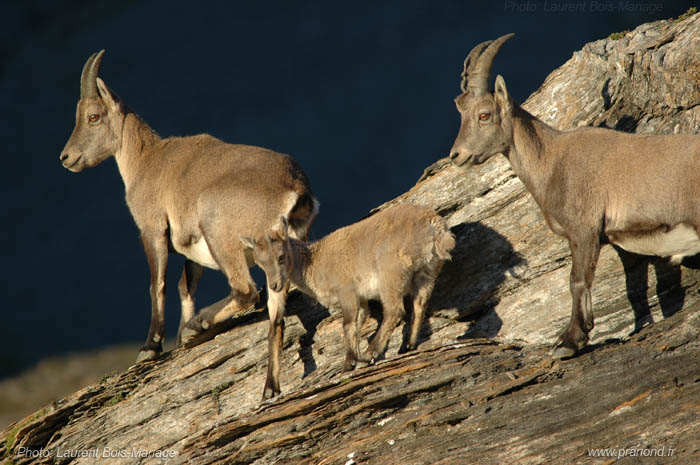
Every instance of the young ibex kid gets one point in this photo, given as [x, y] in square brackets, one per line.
[396, 252]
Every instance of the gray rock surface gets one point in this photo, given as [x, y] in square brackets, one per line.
[482, 387]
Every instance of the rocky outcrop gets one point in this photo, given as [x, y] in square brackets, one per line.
[482, 387]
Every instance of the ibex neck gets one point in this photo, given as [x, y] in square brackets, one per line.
[531, 154]
[137, 138]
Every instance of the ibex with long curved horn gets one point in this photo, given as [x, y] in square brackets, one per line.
[195, 196]
[641, 192]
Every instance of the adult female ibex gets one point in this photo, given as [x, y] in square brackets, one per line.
[641, 192]
[396, 252]
[193, 195]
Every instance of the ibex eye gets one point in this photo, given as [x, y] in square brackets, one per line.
[484, 116]
[94, 118]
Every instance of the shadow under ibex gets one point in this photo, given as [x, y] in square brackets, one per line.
[310, 314]
[669, 290]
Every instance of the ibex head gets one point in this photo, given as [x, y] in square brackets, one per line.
[273, 254]
[98, 121]
[487, 127]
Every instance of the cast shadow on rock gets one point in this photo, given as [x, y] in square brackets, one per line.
[670, 292]
[625, 123]
[310, 314]
[469, 284]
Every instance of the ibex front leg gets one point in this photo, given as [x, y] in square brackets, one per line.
[276, 302]
[585, 249]
[156, 247]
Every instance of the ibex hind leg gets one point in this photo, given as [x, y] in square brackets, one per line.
[187, 288]
[231, 260]
[353, 311]
[393, 311]
[423, 283]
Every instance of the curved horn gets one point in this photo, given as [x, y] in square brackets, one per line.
[480, 72]
[88, 84]
[470, 62]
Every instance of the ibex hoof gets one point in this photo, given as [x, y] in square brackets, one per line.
[349, 365]
[146, 355]
[369, 357]
[269, 393]
[188, 334]
[407, 348]
[562, 351]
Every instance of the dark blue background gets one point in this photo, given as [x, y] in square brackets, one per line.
[359, 92]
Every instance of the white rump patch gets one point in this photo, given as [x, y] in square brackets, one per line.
[291, 202]
[373, 282]
[681, 241]
[198, 252]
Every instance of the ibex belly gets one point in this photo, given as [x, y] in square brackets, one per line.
[681, 241]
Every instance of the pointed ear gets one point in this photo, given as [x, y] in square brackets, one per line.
[502, 97]
[108, 97]
[248, 242]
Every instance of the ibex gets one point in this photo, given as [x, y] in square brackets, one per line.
[593, 185]
[195, 196]
[396, 252]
